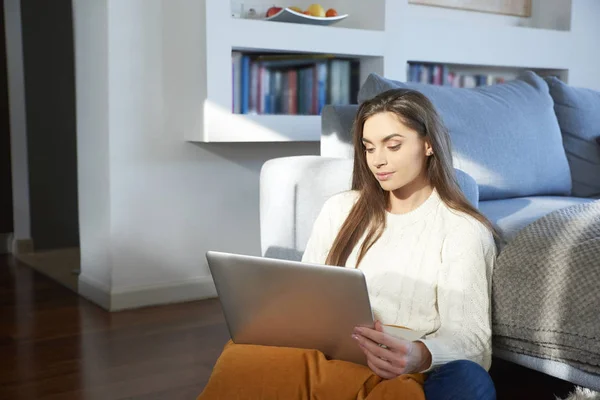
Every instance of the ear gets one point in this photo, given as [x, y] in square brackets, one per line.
[428, 148]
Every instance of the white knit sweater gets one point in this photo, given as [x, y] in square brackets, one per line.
[430, 271]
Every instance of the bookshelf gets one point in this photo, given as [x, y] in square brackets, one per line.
[469, 76]
[385, 36]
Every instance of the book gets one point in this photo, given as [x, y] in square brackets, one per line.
[292, 84]
[441, 75]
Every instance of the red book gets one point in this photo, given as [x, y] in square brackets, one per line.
[293, 93]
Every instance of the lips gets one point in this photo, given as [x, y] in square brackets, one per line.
[384, 176]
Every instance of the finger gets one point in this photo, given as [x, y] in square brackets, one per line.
[373, 347]
[386, 365]
[380, 372]
[375, 336]
[378, 326]
[380, 363]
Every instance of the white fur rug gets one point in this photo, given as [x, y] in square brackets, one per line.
[583, 394]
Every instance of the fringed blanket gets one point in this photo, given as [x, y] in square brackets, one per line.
[546, 289]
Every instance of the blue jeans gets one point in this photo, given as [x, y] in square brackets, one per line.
[459, 380]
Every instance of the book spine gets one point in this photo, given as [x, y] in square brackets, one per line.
[424, 74]
[277, 91]
[346, 82]
[236, 90]
[335, 82]
[245, 84]
[308, 90]
[300, 92]
[254, 93]
[314, 107]
[293, 99]
[446, 76]
[322, 86]
[354, 81]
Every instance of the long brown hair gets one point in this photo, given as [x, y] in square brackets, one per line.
[368, 213]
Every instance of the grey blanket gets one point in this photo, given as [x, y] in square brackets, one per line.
[546, 289]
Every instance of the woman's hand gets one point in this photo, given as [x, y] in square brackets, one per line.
[400, 356]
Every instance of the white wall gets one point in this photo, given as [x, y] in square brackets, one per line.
[545, 14]
[151, 204]
[166, 201]
[90, 19]
[585, 58]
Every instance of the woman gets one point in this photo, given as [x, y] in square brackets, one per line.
[427, 256]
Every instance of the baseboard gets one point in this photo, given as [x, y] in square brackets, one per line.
[176, 292]
[21, 246]
[94, 291]
[143, 296]
[6, 243]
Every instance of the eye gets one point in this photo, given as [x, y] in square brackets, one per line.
[395, 148]
[371, 150]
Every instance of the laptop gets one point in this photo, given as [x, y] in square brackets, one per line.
[285, 303]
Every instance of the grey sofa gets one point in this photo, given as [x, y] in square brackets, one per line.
[520, 163]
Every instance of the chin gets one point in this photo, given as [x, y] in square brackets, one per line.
[389, 186]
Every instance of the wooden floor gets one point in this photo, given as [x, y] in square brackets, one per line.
[56, 345]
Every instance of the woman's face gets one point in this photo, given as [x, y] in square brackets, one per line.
[396, 154]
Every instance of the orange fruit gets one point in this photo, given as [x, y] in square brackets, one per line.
[316, 10]
[331, 13]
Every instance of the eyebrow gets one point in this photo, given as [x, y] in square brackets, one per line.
[385, 139]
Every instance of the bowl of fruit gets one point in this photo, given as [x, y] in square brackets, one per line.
[315, 14]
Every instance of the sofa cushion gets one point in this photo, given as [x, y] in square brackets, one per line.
[578, 113]
[505, 136]
[512, 215]
[468, 186]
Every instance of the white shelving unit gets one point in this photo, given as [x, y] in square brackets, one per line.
[383, 34]
[280, 36]
[495, 45]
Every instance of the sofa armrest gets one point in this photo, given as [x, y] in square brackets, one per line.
[292, 193]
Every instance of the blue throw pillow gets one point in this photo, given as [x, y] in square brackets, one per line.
[505, 136]
[468, 186]
[578, 113]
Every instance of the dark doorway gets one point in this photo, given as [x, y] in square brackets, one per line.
[48, 63]
[6, 206]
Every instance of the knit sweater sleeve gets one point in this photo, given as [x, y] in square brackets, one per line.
[464, 298]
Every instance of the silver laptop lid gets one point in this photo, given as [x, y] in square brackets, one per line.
[292, 304]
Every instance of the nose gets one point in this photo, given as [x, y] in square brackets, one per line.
[379, 160]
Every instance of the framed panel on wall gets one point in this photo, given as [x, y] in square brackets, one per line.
[520, 8]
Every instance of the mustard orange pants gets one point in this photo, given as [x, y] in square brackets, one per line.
[251, 372]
